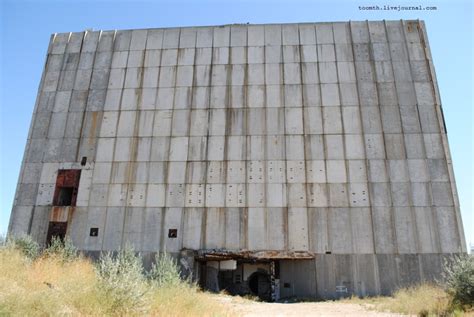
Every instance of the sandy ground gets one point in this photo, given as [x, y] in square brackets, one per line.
[244, 307]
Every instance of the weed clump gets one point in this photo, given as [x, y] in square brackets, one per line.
[26, 245]
[458, 279]
[122, 281]
[63, 249]
[165, 271]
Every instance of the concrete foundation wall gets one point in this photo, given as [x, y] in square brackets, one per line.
[324, 137]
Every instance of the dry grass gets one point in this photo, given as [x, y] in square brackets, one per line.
[50, 286]
[420, 300]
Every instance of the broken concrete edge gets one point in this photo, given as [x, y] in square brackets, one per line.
[221, 254]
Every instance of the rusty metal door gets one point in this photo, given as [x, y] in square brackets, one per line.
[67, 185]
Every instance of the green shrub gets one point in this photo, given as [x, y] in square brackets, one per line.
[458, 278]
[3, 240]
[122, 280]
[29, 247]
[62, 249]
[164, 271]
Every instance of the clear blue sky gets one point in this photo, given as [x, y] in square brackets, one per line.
[26, 27]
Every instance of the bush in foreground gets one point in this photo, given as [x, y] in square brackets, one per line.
[59, 282]
[122, 281]
[459, 281]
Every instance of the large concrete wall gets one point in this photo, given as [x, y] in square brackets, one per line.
[324, 137]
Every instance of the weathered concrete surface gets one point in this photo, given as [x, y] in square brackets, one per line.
[325, 138]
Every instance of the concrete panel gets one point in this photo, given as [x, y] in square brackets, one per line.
[318, 236]
[113, 231]
[256, 195]
[275, 147]
[447, 229]
[276, 195]
[235, 195]
[276, 172]
[332, 122]
[172, 220]
[334, 147]
[316, 171]
[441, 194]
[428, 118]
[340, 230]
[151, 229]
[233, 230]
[377, 171]
[418, 171]
[380, 193]
[215, 195]
[426, 230]
[354, 147]
[336, 171]
[136, 195]
[278, 219]
[362, 231]
[215, 228]
[196, 172]
[155, 196]
[309, 73]
[374, 146]
[359, 195]
[236, 172]
[256, 229]
[175, 195]
[195, 195]
[438, 170]
[274, 96]
[96, 217]
[296, 195]
[398, 170]
[330, 95]
[193, 218]
[20, 220]
[421, 195]
[409, 119]
[314, 147]
[178, 148]
[357, 171]
[338, 196]
[405, 231]
[293, 96]
[295, 171]
[317, 195]
[216, 172]
[176, 172]
[365, 279]
[298, 229]
[414, 146]
[383, 230]
[197, 150]
[255, 147]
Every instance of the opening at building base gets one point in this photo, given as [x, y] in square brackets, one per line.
[279, 276]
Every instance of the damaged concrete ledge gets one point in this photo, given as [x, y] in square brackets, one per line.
[220, 254]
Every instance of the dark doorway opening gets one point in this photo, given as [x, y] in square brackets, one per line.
[56, 229]
[65, 196]
[260, 285]
[67, 185]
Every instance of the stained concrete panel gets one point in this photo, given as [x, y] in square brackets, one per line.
[256, 229]
[297, 229]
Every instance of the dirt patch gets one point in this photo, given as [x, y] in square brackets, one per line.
[248, 308]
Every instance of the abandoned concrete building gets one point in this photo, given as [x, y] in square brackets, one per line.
[281, 160]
